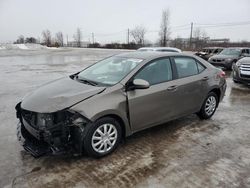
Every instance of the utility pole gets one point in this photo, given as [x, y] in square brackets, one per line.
[67, 41]
[191, 34]
[128, 36]
[93, 38]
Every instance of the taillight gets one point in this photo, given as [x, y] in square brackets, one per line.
[221, 74]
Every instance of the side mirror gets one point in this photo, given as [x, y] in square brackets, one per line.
[139, 84]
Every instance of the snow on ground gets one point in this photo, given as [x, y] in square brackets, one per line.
[27, 46]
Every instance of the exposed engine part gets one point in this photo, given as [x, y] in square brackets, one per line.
[57, 132]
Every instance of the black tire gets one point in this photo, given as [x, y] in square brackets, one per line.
[231, 67]
[235, 81]
[202, 113]
[87, 141]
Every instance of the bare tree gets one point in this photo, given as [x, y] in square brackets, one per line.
[78, 37]
[200, 38]
[46, 37]
[20, 39]
[59, 38]
[138, 33]
[30, 40]
[197, 33]
[177, 43]
[165, 28]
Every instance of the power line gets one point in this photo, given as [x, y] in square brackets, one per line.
[178, 26]
[110, 34]
[227, 23]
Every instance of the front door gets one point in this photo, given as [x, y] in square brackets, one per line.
[152, 106]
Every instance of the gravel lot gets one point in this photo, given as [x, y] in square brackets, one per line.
[186, 152]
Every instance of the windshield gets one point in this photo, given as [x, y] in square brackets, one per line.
[109, 71]
[231, 51]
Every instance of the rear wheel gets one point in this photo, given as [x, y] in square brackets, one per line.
[103, 137]
[209, 106]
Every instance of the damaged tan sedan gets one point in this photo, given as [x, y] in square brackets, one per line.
[93, 110]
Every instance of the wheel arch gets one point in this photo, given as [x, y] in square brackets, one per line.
[217, 91]
[126, 131]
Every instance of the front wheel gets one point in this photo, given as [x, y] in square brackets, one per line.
[209, 106]
[103, 137]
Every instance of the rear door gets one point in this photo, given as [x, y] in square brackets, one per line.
[156, 104]
[192, 84]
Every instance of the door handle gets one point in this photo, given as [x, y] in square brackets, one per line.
[172, 88]
[205, 78]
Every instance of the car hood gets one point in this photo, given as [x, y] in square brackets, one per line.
[223, 57]
[58, 95]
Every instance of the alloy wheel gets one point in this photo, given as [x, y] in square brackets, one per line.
[210, 105]
[104, 138]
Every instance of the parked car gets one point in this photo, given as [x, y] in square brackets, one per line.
[228, 57]
[159, 49]
[241, 71]
[208, 52]
[95, 108]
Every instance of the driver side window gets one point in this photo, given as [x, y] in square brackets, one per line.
[156, 72]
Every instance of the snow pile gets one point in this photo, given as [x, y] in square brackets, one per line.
[27, 46]
[21, 46]
[2, 47]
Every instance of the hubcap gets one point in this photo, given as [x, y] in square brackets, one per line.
[104, 138]
[210, 105]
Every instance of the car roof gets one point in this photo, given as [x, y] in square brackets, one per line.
[239, 48]
[149, 55]
[159, 48]
[213, 48]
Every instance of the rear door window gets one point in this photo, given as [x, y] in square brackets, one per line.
[187, 66]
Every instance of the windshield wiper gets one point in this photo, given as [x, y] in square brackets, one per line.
[86, 81]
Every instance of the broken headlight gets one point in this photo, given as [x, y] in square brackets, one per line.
[45, 120]
[79, 121]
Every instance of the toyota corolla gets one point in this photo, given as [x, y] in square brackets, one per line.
[92, 110]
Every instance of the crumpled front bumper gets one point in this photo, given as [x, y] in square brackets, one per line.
[31, 144]
[62, 137]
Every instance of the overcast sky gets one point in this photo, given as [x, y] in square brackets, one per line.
[109, 19]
